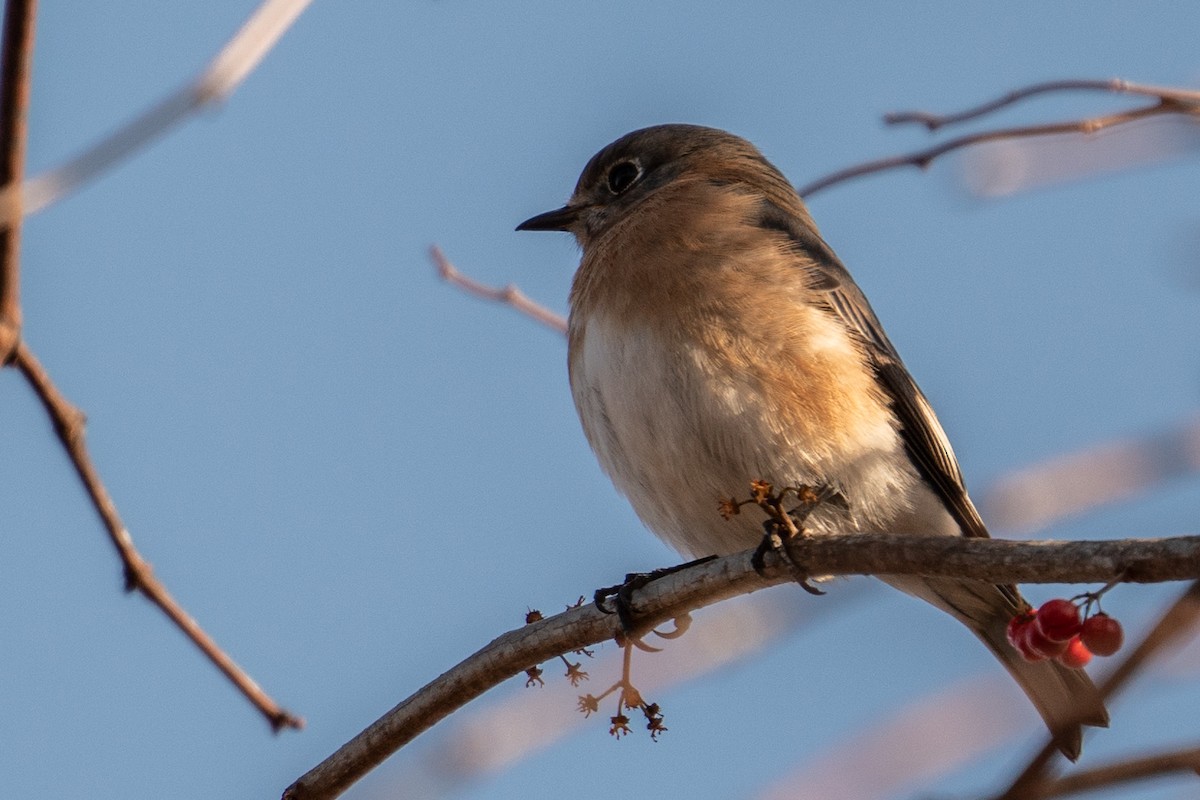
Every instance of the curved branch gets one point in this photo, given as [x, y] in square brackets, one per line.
[700, 585]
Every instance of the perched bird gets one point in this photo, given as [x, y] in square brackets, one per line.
[715, 339]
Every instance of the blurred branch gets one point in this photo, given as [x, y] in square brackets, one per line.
[15, 69]
[228, 69]
[1156, 765]
[943, 731]
[700, 585]
[1179, 619]
[1166, 101]
[231, 66]
[1038, 494]
[509, 295]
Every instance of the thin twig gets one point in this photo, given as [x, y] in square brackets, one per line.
[509, 295]
[1178, 620]
[1167, 101]
[69, 424]
[923, 158]
[231, 66]
[933, 122]
[700, 585]
[15, 71]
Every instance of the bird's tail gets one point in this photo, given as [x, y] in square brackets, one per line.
[1066, 698]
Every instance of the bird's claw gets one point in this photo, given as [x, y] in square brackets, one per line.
[619, 599]
[777, 538]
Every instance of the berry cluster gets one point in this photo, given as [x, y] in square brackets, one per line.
[1056, 630]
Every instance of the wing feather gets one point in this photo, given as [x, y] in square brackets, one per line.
[924, 439]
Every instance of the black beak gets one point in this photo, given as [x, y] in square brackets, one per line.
[560, 219]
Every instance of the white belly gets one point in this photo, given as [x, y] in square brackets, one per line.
[678, 430]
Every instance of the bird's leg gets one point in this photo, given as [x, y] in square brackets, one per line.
[784, 526]
[619, 599]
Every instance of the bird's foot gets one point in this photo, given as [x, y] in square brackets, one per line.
[619, 599]
[785, 527]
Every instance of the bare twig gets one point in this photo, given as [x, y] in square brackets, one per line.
[235, 61]
[15, 70]
[933, 122]
[923, 158]
[509, 295]
[69, 425]
[1179, 619]
[703, 584]
[1167, 101]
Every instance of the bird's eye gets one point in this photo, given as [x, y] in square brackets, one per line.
[622, 176]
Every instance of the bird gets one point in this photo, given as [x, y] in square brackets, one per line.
[715, 339]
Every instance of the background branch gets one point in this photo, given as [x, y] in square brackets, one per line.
[933, 122]
[509, 295]
[227, 70]
[15, 71]
[1167, 102]
[1131, 770]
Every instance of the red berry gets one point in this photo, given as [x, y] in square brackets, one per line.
[1076, 656]
[1017, 634]
[1016, 628]
[1026, 650]
[1102, 634]
[1038, 643]
[1058, 620]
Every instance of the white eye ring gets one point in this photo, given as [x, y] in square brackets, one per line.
[622, 175]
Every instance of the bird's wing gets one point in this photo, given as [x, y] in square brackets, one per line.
[924, 439]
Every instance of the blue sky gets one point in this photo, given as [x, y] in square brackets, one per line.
[354, 475]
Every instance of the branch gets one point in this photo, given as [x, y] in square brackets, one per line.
[509, 295]
[932, 122]
[1167, 101]
[1134, 769]
[230, 67]
[16, 57]
[700, 585]
[69, 424]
